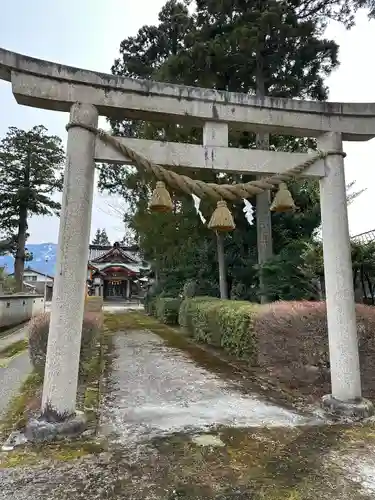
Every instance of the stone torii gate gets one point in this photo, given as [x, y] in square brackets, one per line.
[86, 95]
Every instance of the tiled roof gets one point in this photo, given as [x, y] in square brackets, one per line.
[97, 252]
[135, 268]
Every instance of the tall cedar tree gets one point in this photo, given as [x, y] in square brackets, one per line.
[101, 238]
[30, 173]
[219, 46]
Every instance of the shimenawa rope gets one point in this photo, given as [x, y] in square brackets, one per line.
[231, 192]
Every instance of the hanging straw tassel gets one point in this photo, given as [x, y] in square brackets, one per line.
[222, 219]
[283, 201]
[161, 199]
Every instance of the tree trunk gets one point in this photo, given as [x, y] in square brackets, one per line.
[370, 287]
[263, 214]
[222, 267]
[19, 262]
[364, 295]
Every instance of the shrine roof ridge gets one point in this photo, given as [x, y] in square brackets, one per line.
[49, 85]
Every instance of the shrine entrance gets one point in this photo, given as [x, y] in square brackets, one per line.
[116, 289]
[87, 94]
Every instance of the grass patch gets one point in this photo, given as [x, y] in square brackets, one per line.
[13, 349]
[19, 408]
[132, 320]
[17, 412]
[62, 451]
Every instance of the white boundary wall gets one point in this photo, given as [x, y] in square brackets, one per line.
[16, 309]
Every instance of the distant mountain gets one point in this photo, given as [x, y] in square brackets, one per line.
[44, 258]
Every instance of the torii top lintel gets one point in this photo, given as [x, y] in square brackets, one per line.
[47, 85]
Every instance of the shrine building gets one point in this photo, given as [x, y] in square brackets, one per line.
[116, 272]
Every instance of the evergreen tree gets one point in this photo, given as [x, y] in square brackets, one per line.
[267, 46]
[128, 239]
[30, 173]
[101, 238]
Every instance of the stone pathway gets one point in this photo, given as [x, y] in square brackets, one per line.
[15, 371]
[157, 391]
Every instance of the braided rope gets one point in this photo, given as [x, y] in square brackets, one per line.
[231, 192]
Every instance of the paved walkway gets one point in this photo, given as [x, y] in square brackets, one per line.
[118, 307]
[157, 390]
[15, 336]
[11, 378]
[15, 372]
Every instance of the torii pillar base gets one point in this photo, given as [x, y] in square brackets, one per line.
[359, 409]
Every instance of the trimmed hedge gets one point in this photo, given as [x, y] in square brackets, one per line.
[221, 323]
[166, 309]
[293, 344]
[289, 339]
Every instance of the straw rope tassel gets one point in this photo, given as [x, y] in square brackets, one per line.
[222, 219]
[283, 200]
[161, 199]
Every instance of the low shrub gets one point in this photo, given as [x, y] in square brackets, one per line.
[166, 310]
[288, 338]
[38, 337]
[293, 344]
[223, 323]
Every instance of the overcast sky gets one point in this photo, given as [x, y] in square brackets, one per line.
[87, 33]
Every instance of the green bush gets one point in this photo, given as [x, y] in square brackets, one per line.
[184, 314]
[224, 323]
[236, 324]
[38, 337]
[166, 310]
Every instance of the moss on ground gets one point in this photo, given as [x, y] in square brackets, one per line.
[273, 464]
[62, 451]
[14, 349]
